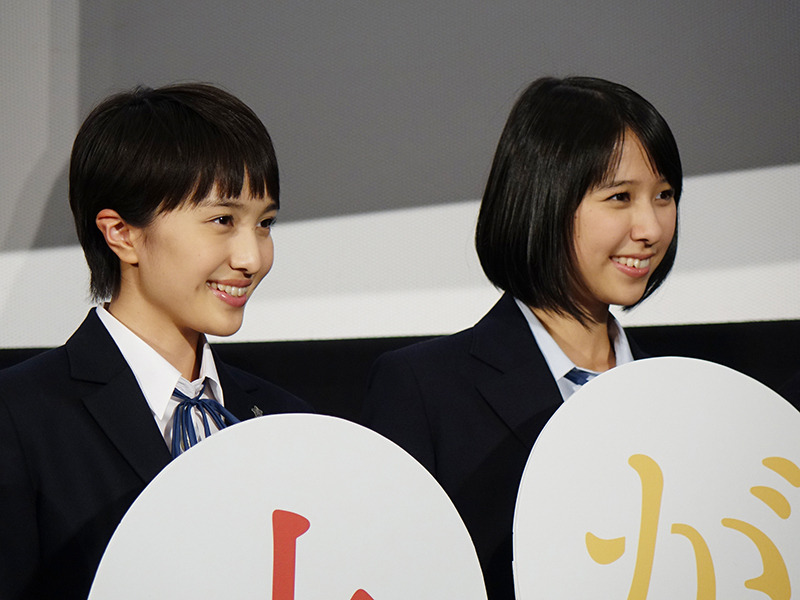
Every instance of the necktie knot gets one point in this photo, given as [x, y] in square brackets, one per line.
[184, 435]
[580, 376]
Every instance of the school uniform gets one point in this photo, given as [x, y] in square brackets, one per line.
[78, 444]
[469, 408]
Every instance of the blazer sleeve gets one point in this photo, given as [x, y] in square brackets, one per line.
[395, 408]
[19, 548]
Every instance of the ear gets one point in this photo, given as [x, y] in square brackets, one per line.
[121, 237]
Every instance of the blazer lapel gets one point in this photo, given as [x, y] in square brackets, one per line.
[636, 351]
[115, 400]
[238, 397]
[522, 392]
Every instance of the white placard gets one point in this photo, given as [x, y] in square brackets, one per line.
[292, 506]
[665, 479]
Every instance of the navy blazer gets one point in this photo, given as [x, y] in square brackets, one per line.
[469, 407]
[78, 444]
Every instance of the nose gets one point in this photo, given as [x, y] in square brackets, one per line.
[251, 253]
[651, 222]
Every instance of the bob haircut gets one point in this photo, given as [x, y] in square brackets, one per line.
[563, 138]
[148, 151]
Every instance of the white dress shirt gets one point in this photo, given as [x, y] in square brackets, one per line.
[157, 378]
[558, 362]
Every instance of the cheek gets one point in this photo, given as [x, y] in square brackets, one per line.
[595, 238]
[267, 255]
[669, 220]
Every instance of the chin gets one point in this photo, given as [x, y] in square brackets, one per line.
[628, 299]
[223, 330]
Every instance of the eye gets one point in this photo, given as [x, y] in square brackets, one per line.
[268, 223]
[620, 197]
[667, 194]
[223, 220]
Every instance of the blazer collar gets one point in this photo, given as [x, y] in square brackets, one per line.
[522, 391]
[239, 397]
[115, 401]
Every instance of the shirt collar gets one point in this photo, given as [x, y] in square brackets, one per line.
[156, 377]
[557, 361]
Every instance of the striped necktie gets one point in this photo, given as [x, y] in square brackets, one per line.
[183, 432]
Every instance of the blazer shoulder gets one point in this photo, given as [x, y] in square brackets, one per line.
[437, 349]
[35, 372]
[500, 339]
[88, 357]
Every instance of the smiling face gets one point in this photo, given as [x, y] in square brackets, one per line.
[623, 228]
[195, 268]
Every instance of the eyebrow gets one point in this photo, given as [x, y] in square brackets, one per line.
[605, 185]
[235, 203]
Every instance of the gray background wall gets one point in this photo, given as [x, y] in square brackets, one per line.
[380, 106]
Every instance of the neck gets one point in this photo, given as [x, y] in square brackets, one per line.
[180, 349]
[588, 346]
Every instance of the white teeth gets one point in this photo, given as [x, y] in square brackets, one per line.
[228, 289]
[633, 262]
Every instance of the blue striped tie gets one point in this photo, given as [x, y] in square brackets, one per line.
[183, 433]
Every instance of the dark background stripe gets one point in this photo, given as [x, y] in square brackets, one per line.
[332, 374]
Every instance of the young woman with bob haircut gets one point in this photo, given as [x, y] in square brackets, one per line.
[579, 213]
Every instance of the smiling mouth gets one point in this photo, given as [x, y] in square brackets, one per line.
[231, 290]
[636, 263]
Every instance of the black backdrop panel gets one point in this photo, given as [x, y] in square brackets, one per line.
[332, 374]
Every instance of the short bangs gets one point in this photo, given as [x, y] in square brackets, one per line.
[147, 151]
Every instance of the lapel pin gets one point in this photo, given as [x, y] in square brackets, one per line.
[257, 411]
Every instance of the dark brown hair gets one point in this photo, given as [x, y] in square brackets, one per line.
[562, 138]
[147, 151]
